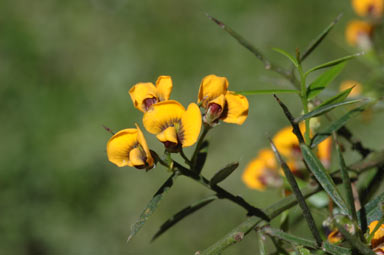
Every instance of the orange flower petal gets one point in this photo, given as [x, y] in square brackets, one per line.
[144, 145]
[212, 86]
[324, 151]
[162, 115]
[236, 108]
[357, 29]
[378, 237]
[120, 145]
[141, 91]
[164, 87]
[136, 157]
[190, 125]
[253, 173]
[368, 7]
[335, 236]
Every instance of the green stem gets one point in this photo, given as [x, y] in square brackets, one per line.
[304, 101]
[185, 157]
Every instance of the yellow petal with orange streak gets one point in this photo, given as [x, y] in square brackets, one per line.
[119, 146]
[168, 135]
[141, 91]
[164, 87]
[190, 125]
[368, 7]
[162, 115]
[378, 237]
[212, 86]
[144, 145]
[236, 108]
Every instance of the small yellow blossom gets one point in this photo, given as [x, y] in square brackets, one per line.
[262, 171]
[378, 238]
[373, 8]
[286, 141]
[221, 103]
[358, 33]
[324, 152]
[144, 95]
[335, 237]
[357, 87]
[129, 148]
[172, 124]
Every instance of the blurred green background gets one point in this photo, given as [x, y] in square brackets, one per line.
[65, 70]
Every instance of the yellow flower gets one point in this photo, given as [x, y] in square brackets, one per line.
[144, 95]
[262, 171]
[129, 148]
[358, 33]
[287, 143]
[357, 88]
[324, 152]
[221, 103]
[172, 124]
[372, 8]
[378, 238]
[335, 237]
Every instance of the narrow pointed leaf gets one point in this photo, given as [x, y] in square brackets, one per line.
[322, 176]
[326, 108]
[287, 55]
[333, 62]
[182, 214]
[346, 184]
[268, 91]
[299, 195]
[336, 99]
[324, 80]
[313, 45]
[261, 241]
[336, 250]
[335, 125]
[371, 210]
[290, 238]
[222, 174]
[151, 206]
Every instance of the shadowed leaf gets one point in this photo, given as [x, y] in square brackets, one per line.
[182, 214]
[333, 62]
[222, 174]
[336, 99]
[289, 56]
[335, 125]
[313, 45]
[336, 250]
[322, 176]
[267, 91]
[151, 206]
[371, 211]
[201, 157]
[323, 109]
[324, 80]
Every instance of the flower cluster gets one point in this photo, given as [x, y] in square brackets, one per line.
[359, 32]
[172, 124]
[264, 171]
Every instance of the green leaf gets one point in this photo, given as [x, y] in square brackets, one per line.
[152, 205]
[224, 173]
[323, 109]
[333, 62]
[324, 80]
[201, 157]
[322, 176]
[289, 237]
[289, 56]
[336, 250]
[346, 184]
[371, 210]
[182, 214]
[299, 195]
[335, 125]
[303, 251]
[313, 45]
[261, 241]
[336, 99]
[267, 91]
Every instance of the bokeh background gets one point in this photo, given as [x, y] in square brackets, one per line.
[65, 70]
